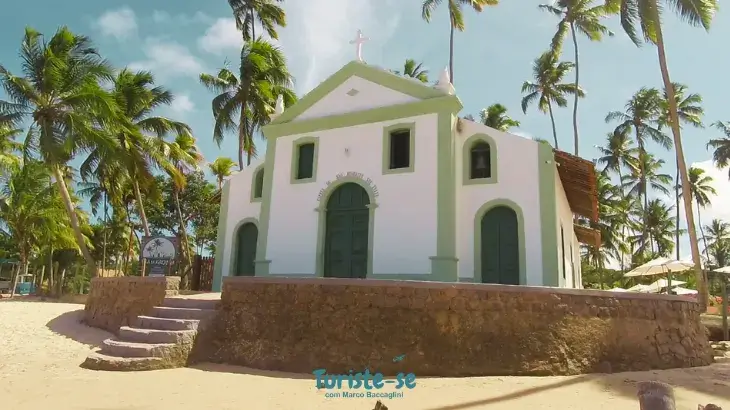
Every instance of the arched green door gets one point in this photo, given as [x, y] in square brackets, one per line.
[246, 240]
[500, 251]
[346, 232]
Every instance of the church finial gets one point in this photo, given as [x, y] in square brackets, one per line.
[444, 82]
[279, 107]
[358, 41]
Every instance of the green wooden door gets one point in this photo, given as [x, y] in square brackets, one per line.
[346, 233]
[247, 238]
[500, 251]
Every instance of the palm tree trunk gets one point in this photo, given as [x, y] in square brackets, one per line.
[676, 197]
[623, 228]
[241, 137]
[253, 25]
[14, 281]
[451, 50]
[702, 233]
[552, 121]
[702, 290]
[140, 205]
[66, 197]
[575, 97]
[183, 231]
[106, 227]
[644, 194]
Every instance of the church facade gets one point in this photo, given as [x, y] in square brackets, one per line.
[373, 175]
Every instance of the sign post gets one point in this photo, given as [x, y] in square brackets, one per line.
[159, 253]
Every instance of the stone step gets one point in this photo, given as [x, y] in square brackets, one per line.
[100, 361]
[161, 323]
[120, 348]
[191, 303]
[182, 313]
[133, 334]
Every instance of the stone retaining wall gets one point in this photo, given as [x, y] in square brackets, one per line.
[299, 325]
[115, 302]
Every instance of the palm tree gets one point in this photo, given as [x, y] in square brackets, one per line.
[721, 155]
[647, 15]
[137, 95]
[266, 12]
[661, 229]
[68, 110]
[577, 16]
[701, 189]
[718, 236]
[548, 87]
[495, 116]
[618, 154]
[221, 168]
[456, 19]
[414, 70]
[9, 147]
[250, 97]
[31, 209]
[690, 112]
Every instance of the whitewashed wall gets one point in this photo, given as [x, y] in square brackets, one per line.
[240, 207]
[565, 219]
[370, 95]
[518, 181]
[405, 219]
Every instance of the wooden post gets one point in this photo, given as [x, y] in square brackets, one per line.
[655, 395]
[723, 290]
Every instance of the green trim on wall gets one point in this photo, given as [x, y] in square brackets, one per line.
[234, 241]
[466, 160]
[546, 168]
[254, 178]
[445, 265]
[221, 240]
[322, 222]
[364, 71]
[411, 127]
[478, 237]
[295, 159]
[263, 264]
[448, 103]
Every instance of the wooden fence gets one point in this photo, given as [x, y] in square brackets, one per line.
[202, 280]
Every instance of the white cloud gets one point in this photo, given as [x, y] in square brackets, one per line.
[168, 59]
[182, 104]
[719, 203]
[162, 17]
[221, 36]
[318, 33]
[120, 23]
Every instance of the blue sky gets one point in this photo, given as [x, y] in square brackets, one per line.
[179, 40]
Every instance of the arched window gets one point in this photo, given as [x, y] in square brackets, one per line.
[480, 161]
[258, 184]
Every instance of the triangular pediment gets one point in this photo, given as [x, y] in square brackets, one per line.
[357, 87]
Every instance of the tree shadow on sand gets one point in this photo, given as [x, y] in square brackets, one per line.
[70, 325]
[712, 381]
[226, 368]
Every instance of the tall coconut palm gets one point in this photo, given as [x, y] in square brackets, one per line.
[243, 103]
[721, 146]
[718, 242]
[661, 229]
[702, 190]
[548, 87]
[68, 111]
[618, 154]
[9, 147]
[456, 19]
[267, 13]
[578, 16]
[647, 15]
[221, 168]
[414, 70]
[495, 116]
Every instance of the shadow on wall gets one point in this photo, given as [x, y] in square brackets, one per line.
[70, 325]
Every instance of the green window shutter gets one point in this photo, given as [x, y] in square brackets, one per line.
[305, 163]
[259, 186]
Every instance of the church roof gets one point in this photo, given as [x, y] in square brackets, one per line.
[578, 176]
[374, 74]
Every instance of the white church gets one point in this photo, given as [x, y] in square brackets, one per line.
[373, 175]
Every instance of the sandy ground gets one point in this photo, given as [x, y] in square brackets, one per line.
[42, 345]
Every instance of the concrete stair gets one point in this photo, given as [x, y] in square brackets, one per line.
[161, 340]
